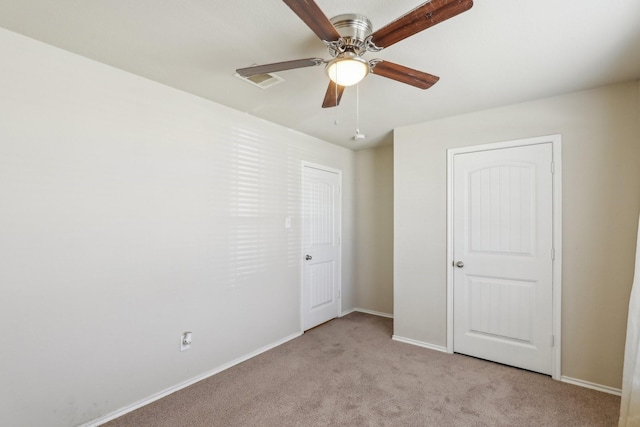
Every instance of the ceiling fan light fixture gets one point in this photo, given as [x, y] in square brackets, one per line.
[347, 69]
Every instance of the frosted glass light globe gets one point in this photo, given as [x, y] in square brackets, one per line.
[347, 70]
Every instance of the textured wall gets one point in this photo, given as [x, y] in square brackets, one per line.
[601, 201]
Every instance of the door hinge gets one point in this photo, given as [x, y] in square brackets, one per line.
[553, 340]
[553, 169]
[553, 254]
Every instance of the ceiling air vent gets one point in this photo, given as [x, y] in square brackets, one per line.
[263, 81]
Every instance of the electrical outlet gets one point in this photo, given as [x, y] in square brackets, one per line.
[185, 341]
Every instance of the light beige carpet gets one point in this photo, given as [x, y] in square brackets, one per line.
[348, 372]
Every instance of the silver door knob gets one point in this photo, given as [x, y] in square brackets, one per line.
[459, 264]
[308, 257]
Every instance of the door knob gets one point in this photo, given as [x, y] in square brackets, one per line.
[308, 257]
[459, 264]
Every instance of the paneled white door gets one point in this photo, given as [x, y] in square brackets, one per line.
[321, 245]
[502, 249]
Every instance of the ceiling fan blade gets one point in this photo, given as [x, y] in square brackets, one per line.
[424, 16]
[279, 66]
[403, 74]
[312, 15]
[333, 95]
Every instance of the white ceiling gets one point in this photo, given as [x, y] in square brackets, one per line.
[498, 53]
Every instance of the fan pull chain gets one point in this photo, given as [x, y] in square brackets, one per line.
[357, 109]
[358, 135]
[337, 121]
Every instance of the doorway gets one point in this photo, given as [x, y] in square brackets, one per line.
[504, 253]
[321, 236]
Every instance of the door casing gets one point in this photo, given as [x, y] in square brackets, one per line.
[556, 144]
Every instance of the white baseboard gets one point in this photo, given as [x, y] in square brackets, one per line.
[420, 344]
[344, 313]
[593, 386]
[364, 310]
[168, 391]
[173, 389]
[569, 380]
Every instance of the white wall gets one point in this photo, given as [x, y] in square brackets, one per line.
[601, 192]
[129, 213]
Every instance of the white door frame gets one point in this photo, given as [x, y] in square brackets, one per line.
[556, 145]
[304, 165]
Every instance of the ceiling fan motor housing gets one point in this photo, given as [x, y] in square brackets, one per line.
[354, 30]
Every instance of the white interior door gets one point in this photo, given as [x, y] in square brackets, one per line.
[502, 250]
[321, 245]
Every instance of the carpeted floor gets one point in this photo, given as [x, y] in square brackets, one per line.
[348, 372]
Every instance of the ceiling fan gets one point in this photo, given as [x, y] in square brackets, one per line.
[349, 36]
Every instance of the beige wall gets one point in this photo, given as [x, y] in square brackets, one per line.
[601, 202]
[373, 271]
